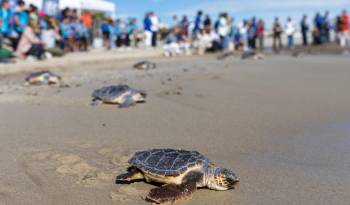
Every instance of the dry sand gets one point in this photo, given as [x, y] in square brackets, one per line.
[282, 124]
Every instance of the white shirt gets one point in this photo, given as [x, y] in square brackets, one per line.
[290, 28]
[223, 28]
[49, 38]
[155, 23]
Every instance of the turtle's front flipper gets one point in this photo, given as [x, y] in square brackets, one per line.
[171, 193]
[132, 175]
[95, 102]
[129, 101]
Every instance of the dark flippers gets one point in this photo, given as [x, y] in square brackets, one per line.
[171, 193]
[132, 175]
[95, 102]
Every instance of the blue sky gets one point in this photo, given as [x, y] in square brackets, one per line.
[240, 9]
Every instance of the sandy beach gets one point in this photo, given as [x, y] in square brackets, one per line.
[282, 124]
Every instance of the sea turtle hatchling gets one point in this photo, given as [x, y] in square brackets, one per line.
[118, 94]
[145, 65]
[181, 172]
[252, 55]
[43, 78]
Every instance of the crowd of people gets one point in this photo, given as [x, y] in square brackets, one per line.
[31, 33]
[34, 34]
[206, 35]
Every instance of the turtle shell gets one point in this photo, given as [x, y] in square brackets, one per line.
[110, 91]
[145, 65]
[44, 75]
[167, 162]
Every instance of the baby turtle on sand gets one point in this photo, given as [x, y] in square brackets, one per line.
[43, 78]
[225, 55]
[145, 65]
[252, 55]
[180, 171]
[118, 94]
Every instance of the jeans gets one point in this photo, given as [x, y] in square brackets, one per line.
[290, 41]
[305, 38]
[154, 38]
[225, 41]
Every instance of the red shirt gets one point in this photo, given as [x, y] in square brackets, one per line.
[87, 20]
[345, 23]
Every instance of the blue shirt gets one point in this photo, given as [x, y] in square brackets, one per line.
[5, 17]
[197, 23]
[104, 27]
[65, 30]
[147, 24]
[23, 19]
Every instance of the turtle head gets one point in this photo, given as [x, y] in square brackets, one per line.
[222, 179]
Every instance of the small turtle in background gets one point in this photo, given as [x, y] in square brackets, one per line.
[181, 172]
[225, 55]
[122, 95]
[252, 55]
[145, 65]
[43, 78]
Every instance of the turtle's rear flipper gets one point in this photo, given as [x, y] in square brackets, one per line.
[131, 175]
[129, 101]
[171, 193]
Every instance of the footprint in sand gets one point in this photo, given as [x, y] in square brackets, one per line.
[176, 91]
[74, 165]
[106, 151]
[41, 156]
[120, 160]
[216, 77]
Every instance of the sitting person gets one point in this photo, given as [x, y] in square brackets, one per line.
[207, 41]
[176, 43]
[49, 37]
[30, 44]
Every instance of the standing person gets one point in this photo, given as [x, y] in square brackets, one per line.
[318, 29]
[21, 19]
[133, 32]
[277, 32]
[154, 28]
[5, 18]
[344, 35]
[261, 33]
[337, 29]
[326, 28]
[207, 23]
[252, 33]
[87, 20]
[304, 30]
[147, 25]
[224, 30]
[243, 31]
[184, 25]
[105, 32]
[290, 30]
[175, 22]
[197, 23]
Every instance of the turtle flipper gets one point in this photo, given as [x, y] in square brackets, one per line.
[129, 101]
[132, 175]
[95, 102]
[171, 193]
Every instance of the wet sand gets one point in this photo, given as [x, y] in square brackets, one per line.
[282, 124]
